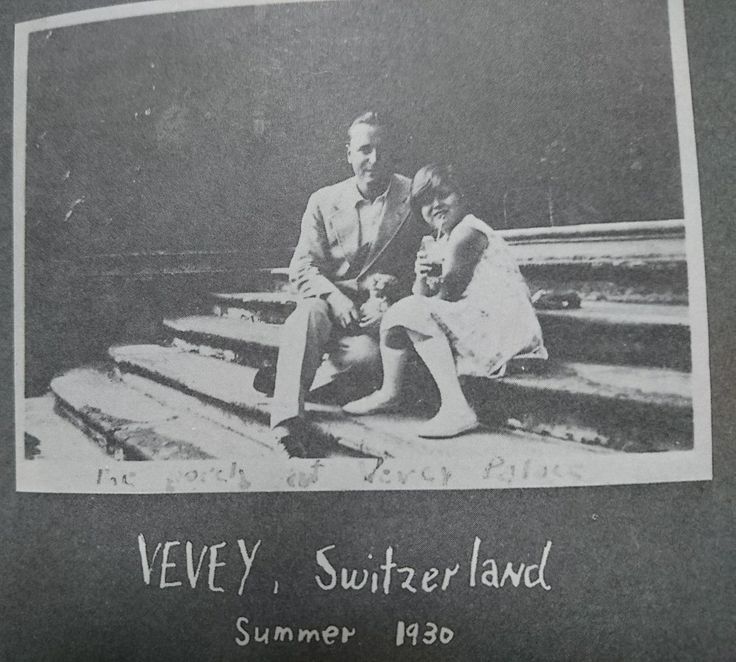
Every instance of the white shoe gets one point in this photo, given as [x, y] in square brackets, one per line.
[371, 404]
[444, 427]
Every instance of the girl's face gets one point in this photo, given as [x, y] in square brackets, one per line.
[443, 210]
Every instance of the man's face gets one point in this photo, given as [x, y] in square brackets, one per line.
[367, 155]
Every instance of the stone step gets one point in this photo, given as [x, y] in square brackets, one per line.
[627, 281]
[621, 407]
[630, 409]
[383, 435]
[134, 423]
[52, 438]
[272, 279]
[603, 332]
[654, 335]
[249, 343]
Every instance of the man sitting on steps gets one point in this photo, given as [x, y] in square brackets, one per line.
[350, 231]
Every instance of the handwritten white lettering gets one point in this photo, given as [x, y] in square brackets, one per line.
[328, 635]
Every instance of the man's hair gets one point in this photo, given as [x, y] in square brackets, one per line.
[371, 118]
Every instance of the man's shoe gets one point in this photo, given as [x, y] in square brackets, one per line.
[292, 436]
[265, 380]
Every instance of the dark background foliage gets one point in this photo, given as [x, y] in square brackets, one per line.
[209, 129]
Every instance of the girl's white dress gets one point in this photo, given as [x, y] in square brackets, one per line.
[492, 322]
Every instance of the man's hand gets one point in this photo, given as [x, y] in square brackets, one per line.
[343, 309]
[371, 320]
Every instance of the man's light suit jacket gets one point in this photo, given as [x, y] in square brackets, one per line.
[327, 255]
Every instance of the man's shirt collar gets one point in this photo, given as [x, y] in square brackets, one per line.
[357, 197]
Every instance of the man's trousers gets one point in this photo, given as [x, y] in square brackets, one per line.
[307, 335]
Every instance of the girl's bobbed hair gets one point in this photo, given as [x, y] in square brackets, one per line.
[431, 179]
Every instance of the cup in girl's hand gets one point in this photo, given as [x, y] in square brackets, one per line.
[435, 271]
[433, 252]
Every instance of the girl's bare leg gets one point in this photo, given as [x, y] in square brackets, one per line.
[388, 396]
[455, 414]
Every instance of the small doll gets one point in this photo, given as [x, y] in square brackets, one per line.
[382, 292]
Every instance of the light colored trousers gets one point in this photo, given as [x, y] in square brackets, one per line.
[307, 335]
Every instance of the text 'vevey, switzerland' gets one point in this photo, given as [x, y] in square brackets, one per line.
[176, 564]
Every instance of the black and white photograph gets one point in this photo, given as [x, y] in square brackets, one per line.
[357, 245]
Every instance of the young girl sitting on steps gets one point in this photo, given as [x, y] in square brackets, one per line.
[468, 316]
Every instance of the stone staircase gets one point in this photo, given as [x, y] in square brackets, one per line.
[618, 379]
